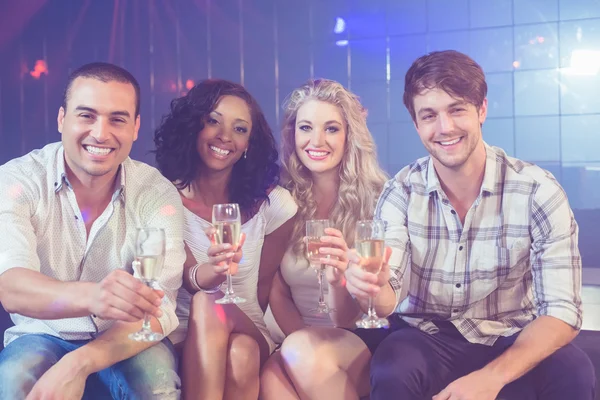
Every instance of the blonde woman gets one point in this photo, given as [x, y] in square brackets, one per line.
[330, 167]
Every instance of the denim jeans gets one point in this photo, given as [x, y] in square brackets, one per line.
[152, 374]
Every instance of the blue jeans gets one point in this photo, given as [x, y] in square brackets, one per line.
[148, 375]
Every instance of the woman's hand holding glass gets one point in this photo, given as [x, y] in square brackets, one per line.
[224, 257]
[335, 256]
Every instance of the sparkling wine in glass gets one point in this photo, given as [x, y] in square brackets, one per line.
[149, 259]
[370, 246]
[227, 222]
[315, 229]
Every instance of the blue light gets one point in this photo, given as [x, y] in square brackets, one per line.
[340, 25]
[341, 43]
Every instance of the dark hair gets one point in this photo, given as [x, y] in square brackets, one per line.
[453, 72]
[103, 72]
[176, 150]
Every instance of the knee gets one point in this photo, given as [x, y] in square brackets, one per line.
[243, 359]
[152, 374]
[205, 314]
[16, 380]
[571, 367]
[22, 363]
[200, 305]
[306, 355]
[400, 363]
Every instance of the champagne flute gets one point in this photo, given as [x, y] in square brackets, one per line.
[226, 220]
[314, 230]
[369, 243]
[148, 263]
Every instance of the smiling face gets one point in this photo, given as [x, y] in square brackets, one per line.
[449, 128]
[98, 127]
[226, 134]
[320, 135]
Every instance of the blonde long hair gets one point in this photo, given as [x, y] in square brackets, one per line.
[361, 177]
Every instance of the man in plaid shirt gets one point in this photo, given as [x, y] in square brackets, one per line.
[485, 273]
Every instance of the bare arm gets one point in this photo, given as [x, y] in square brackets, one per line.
[205, 274]
[536, 342]
[273, 249]
[346, 311]
[119, 296]
[284, 309]
[112, 346]
[212, 273]
[68, 376]
[30, 293]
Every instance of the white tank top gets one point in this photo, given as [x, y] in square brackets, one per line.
[271, 215]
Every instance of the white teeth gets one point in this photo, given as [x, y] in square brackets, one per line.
[98, 151]
[317, 153]
[451, 142]
[220, 151]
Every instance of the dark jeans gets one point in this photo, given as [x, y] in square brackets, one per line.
[410, 364]
[152, 374]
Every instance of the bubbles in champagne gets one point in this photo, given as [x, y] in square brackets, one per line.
[371, 254]
[228, 232]
[148, 267]
[313, 244]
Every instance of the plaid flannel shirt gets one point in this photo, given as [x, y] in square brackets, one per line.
[514, 258]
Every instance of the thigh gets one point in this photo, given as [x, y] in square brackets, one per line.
[151, 374]
[568, 373]
[205, 311]
[418, 364]
[340, 347]
[25, 360]
[275, 383]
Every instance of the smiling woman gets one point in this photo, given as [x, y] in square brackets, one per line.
[216, 146]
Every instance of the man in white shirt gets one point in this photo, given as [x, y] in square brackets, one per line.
[68, 220]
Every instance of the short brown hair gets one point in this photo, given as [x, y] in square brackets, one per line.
[455, 73]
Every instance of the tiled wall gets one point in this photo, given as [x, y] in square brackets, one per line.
[541, 57]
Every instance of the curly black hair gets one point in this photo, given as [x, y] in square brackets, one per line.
[177, 155]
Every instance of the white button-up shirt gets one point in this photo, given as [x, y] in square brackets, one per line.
[43, 229]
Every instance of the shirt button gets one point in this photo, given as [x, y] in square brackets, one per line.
[453, 212]
[455, 310]
[460, 248]
[458, 285]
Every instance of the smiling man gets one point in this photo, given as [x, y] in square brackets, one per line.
[68, 220]
[486, 246]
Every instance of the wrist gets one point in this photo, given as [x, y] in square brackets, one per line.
[494, 374]
[212, 287]
[338, 284]
[80, 362]
[85, 295]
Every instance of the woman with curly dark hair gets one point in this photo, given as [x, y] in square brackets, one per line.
[215, 145]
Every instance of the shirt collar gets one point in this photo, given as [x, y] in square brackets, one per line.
[489, 176]
[61, 180]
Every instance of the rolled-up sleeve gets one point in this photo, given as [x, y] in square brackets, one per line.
[18, 244]
[166, 211]
[392, 209]
[555, 258]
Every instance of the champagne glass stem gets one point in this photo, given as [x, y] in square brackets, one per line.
[371, 311]
[229, 284]
[320, 276]
[146, 324]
